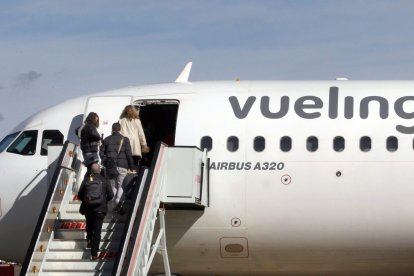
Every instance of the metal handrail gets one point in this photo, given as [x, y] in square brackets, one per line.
[120, 268]
[48, 200]
[128, 228]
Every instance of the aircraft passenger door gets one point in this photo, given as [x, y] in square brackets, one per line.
[159, 120]
[109, 109]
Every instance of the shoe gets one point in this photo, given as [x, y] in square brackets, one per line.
[88, 244]
[94, 258]
[119, 209]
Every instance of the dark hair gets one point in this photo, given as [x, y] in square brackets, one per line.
[116, 127]
[90, 117]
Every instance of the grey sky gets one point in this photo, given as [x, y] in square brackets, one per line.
[26, 80]
[59, 50]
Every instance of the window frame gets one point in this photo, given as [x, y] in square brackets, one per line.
[17, 141]
[236, 143]
[256, 140]
[334, 144]
[309, 143]
[282, 143]
[43, 151]
[6, 142]
[202, 144]
[387, 144]
[370, 144]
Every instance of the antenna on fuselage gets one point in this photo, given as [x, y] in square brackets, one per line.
[183, 77]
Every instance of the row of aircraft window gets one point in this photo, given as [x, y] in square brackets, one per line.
[312, 143]
[25, 143]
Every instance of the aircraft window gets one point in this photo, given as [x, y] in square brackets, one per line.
[25, 144]
[285, 143]
[365, 144]
[50, 137]
[7, 140]
[233, 143]
[392, 143]
[312, 144]
[206, 143]
[259, 143]
[339, 143]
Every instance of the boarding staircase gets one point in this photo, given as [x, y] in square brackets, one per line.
[178, 177]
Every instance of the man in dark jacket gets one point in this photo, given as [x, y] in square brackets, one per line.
[118, 148]
[89, 139]
[94, 214]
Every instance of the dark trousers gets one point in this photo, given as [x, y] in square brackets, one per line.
[136, 159]
[94, 221]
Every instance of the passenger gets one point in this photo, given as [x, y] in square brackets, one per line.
[116, 156]
[89, 139]
[94, 192]
[131, 127]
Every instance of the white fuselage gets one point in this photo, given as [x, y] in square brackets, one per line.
[294, 211]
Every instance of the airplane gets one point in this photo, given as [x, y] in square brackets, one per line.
[306, 177]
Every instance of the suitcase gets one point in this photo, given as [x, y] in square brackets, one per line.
[129, 185]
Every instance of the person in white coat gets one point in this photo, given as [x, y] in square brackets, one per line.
[131, 127]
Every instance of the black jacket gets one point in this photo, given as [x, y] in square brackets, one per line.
[110, 147]
[89, 137]
[98, 208]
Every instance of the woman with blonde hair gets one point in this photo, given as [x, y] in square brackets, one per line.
[131, 127]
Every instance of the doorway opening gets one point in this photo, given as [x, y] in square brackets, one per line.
[159, 120]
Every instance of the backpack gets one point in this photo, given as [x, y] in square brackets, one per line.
[94, 191]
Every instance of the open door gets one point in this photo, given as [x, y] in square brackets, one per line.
[159, 120]
[109, 109]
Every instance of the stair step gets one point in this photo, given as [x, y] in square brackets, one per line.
[78, 254]
[64, 234]
[81, 244]
[75, 215]
[74, 225]
[84, 265]
[74, 255]
[114, 218]
[73, 206]
[74, 273]
[71, 216]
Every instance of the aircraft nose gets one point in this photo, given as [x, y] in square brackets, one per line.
[2, 194]
[8, 184]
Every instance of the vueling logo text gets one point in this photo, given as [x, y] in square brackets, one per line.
[306, 107]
